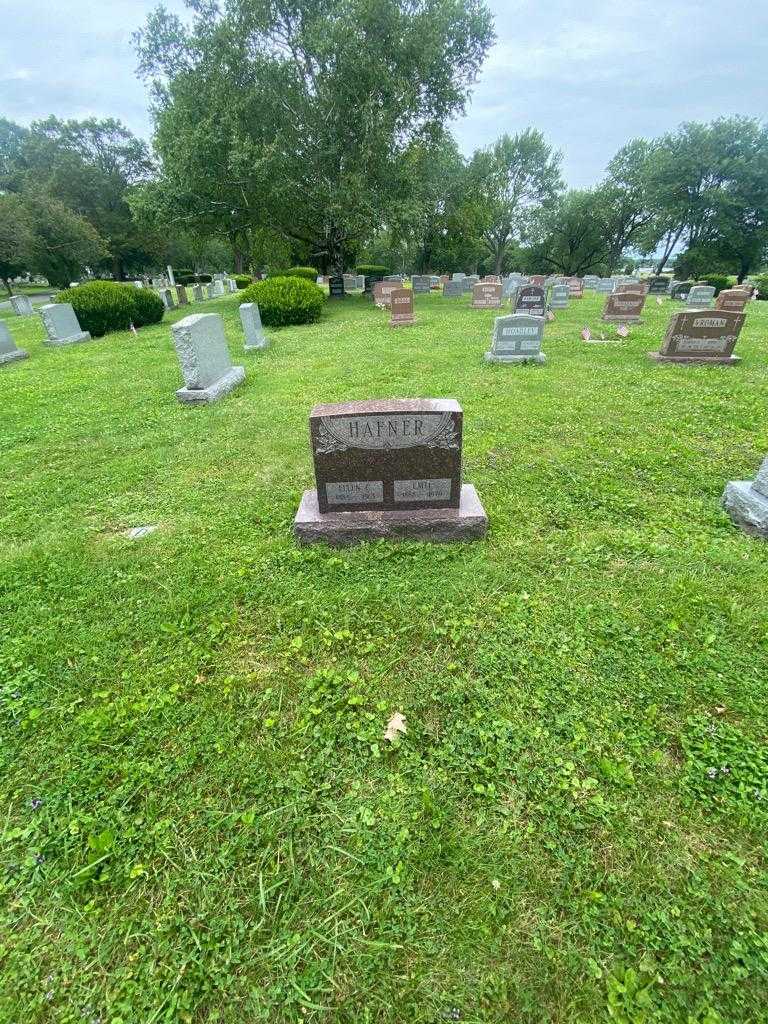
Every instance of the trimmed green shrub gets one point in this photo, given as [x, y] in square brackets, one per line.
[308, 273]
[243, 280]
[761, 283]
[370, 269]
[104, 306]
[286, 300]
[718, 281]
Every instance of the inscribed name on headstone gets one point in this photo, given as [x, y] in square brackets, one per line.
[201, 346]
[700, 296]
[61, 325]
[701, 336]
[336, 287]
[624, 307]
[575, 287]
[531, 298]
[421, 284]
[517, 339]
[387, 454]
[382, 290]
[486, 296]
[732, 299]
[9, 353]
[401, 304]
[559, 296]
[453, 289]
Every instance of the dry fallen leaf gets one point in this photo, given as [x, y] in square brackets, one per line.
[395, 725]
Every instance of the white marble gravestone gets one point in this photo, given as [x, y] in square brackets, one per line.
[61, 324]
[250, 318]
[746, 502]
[701, 296]
[210, 290]
[21, 305]
[517, 339]
[197, 293]
[458, 277]
[218, 288]
[231, 285]
[204, 357]
[8, 351]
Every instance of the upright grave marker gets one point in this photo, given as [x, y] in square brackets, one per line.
[382, 290]
[421, 284]
[746, 502]
[21, 305]
[605, 286]
[197, 293]
[658, 285]
[204, 357]
[401, 304]
[388, 469]
[218, 286]
[336, 287]
[210, 290]
[181, 295]
[591, 281]
[61, 324]
[559, 296]
[706, 336]
[517, 339]
[680, 290]
[486, 296]
[732, 299]
[9, 353]
[575, 287]
[453, 289]
[624, 308]
[700, 296]
[167, 296]
[250, 318]
[531, 298]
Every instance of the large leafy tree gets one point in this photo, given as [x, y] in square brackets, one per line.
[573, 236]
[297, 115]
[511, 181]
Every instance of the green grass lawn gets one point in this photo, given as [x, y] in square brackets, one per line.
[202, 822]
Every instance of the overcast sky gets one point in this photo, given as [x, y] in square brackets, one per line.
[591, 74]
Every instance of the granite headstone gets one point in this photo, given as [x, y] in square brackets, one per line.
[703, 336]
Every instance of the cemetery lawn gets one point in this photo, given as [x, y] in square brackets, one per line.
[201, 819]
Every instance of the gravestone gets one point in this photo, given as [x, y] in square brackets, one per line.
[231, 284]
[517, 339]
[171, 278]
[559, 296]
[204, 357]
[538, 280]
[486, 296]
[21, 305]
[336, 287]
[250, 318]
[181, 295]
[382, 290]
[624, 307]
[453, 289]
[531, 298]
[390, 469]
[218, 287]
[167, 296]
[138, 284]
[605, 286]
[509, 287]
[467, 284]
[421, 284]
[700, 296]
[210, 290]
[591, 281]
[219, 277]
[658, 285]
[473, 280]
[704, 336]
[197, 293]
[672, 285]
[491, 279]
[350, 282]
[9, 353]
[575, 287]
[434, 281]
[394, 278]
[61, 324]
[458, 276]
[732, 299]
[746, 502]
[360, 282]
[401, 304]
[681, 290]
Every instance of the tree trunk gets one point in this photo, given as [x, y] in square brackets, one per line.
[7, 285]
[118, 271]
[499, 259]
[743, 270]
[239, 261]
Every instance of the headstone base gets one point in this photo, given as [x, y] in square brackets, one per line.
[438, 525]
[747, 508]
[621, 320]
[494, 357]
[696, 360]
[9, 357]
[202, 396]
[73, 339]
[264, 343]
[404, 323]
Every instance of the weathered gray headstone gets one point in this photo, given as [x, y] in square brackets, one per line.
[388, 469]
[701, 296]
[181, 295]
[231, 284]
[703, 336]
[458, 276]
[746, 502]
[658, 285]
[453, 289]
[8, 350]
[210, 290]
[204, 357]
[218, 287]
[591, 281]
[21, 305]
[421, 284]
[197, 293]
[167, 296]
[517, 339]
[605, 285]
[61, 324]
[680, 290]
[360, 281]
[559, 296]
[138, 284]
[250, 317]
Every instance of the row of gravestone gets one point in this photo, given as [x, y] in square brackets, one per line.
[178, 295]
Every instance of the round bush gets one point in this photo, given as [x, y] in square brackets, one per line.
[761, 283]
[103, 306]
[243, 280]
[369, 269]
[308, 273]
[718, 281]
[286, 300]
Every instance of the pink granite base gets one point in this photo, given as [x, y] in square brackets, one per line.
[696, 360]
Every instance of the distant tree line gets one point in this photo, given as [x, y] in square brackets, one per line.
[315, 132]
